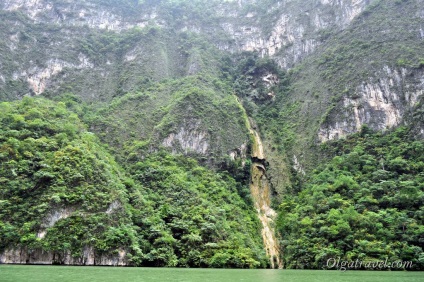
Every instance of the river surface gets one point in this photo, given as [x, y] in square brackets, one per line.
[35, 273]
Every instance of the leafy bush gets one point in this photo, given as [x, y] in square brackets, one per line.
[364, 204]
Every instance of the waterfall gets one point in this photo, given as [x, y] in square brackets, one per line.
[261, 194]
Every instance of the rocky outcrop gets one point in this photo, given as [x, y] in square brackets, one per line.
[286, 30]
[39, 78]
[53, 217]
[189, 138]
[81, 14]
[290, 36]
[88, 256]
[297, 31]
[38, 256]
[381, 103]
[239, 153]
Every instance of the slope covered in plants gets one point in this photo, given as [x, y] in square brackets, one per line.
[65, 200]
[366, 204]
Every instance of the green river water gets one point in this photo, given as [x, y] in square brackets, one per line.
[17, 273]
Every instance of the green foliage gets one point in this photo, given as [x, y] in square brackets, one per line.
[263, 87]
[61, 192]
[365, 204]
[370, 49]
[262, 100]
[198, 105]
[379, 39]
[51, 165]
[194, 217]
[159, 81]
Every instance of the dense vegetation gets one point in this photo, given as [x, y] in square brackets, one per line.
[141, 145]
[170, 212]
[377, 40]
[195, 218]
[366, 203]
[198, 106]
[50, 163]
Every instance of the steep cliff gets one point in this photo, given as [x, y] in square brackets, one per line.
[385, 103]
[369, 73]
[109, 42]
[64, 200]
[156, 81]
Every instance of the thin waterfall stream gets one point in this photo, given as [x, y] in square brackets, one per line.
[261, 193]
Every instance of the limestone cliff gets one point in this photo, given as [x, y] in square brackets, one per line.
[38, 256]
[383, 102]
[286, 30]
[160, 76]
[59, 46]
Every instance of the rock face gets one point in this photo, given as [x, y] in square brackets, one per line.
[88, 257]
[40, 78]
[100, 50]
[190, 139]
[296, 30]
[380, 103]
[287, 30]
[52, 218]
[73, 14]
[24, 255]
